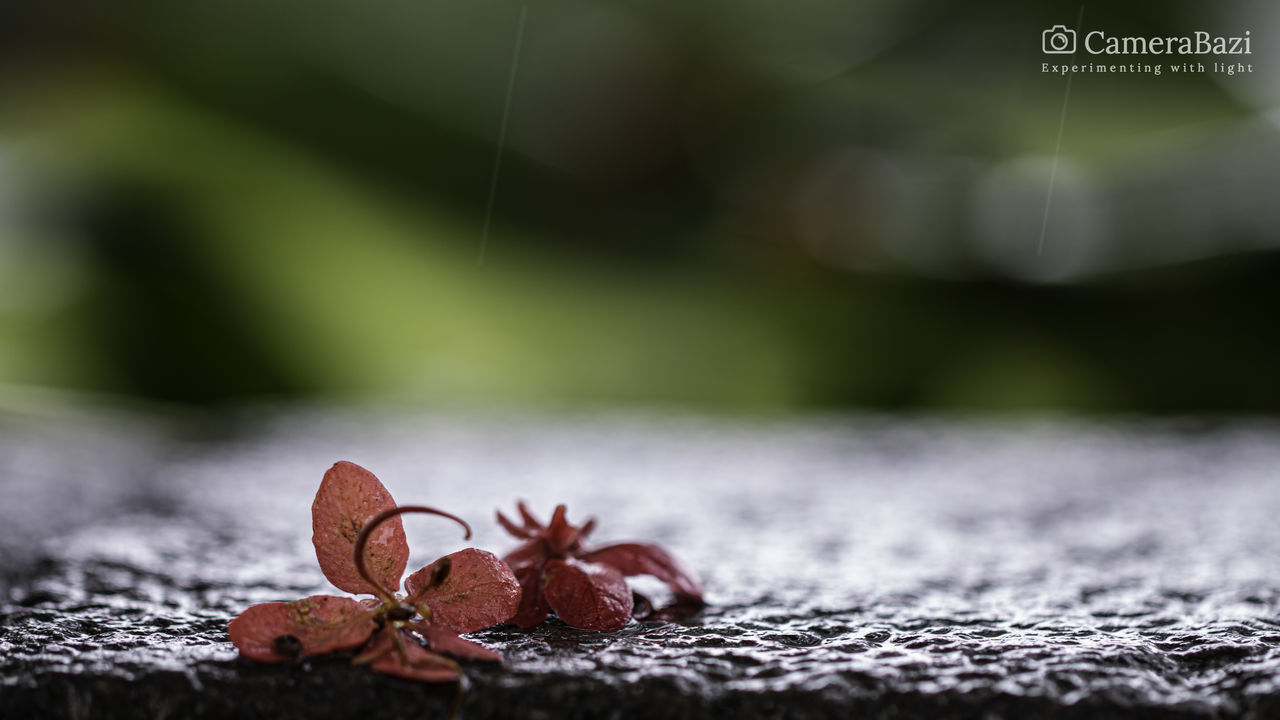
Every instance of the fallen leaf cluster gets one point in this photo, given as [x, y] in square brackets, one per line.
[586, 588]
[360, 544]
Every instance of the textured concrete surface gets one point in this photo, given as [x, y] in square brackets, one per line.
[886, 566]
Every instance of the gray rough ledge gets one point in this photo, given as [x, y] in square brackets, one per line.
[859, 567]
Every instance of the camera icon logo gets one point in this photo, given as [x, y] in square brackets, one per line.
[1058, 40]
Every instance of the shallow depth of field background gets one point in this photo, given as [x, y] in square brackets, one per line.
[739, 207]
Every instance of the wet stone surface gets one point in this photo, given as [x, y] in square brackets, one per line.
[881, 567]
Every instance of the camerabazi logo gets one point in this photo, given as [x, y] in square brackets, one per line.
[1061, 40]
[1182, 53]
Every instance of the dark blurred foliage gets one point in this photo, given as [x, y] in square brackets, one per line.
[728, 205]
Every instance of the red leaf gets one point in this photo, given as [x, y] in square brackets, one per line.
[533, 602]
[479, 591]
[646, 559]
[348, 496]
[526, 562]
[588, 596]
[278, 631]
[416, 664]
[444, 641]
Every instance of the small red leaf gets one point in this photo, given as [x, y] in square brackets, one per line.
[587, 595]
[416, 663]
[443, 641]
[646, 559]
[278, 631]
[348, 496]
[526, 562]
[480, 591]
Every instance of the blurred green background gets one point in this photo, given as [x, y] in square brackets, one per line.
[730, 206]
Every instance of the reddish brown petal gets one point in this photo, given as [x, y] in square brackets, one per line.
[349, 495]
[530, 522]
[560, 534]
[587, 595]
[512, 528]
[416, 663]
[646, 559]
[443, 641]
[533, 603]
[277, 631]
[479, 591]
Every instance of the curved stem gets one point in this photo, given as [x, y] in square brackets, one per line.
[362, 540]
[459, 688]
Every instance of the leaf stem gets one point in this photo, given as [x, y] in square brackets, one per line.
[365, 532]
